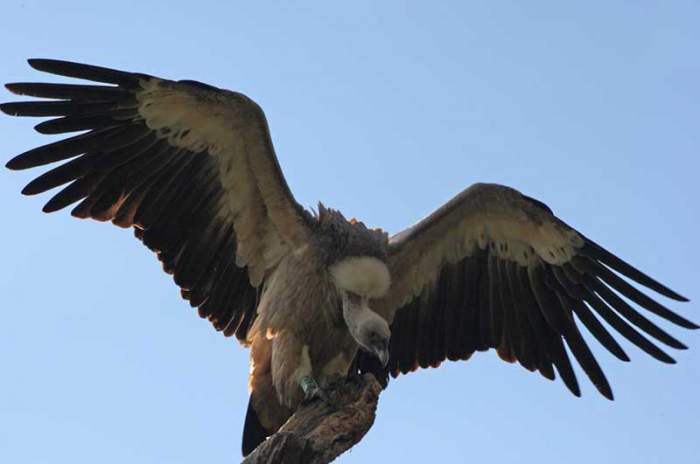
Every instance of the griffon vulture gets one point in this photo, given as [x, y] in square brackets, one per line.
[192, 170]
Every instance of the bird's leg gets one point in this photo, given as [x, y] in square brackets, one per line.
[328, 391]
[308, 386]
[304, 377]
[331, 379]
[311, 389]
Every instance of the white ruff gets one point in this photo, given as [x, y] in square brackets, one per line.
[363, 275]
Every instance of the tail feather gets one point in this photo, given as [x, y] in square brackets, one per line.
[253, 431]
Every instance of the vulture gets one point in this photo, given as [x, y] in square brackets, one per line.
[192, 170]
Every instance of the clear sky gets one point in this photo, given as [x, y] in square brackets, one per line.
[384, 110]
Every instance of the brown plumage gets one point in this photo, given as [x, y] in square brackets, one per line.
[192, 170]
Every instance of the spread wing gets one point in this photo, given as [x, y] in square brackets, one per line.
[496, 269]
[189, 166]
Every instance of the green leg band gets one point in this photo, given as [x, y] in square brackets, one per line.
[308, 384]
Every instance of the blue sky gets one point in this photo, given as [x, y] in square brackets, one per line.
[384, 111]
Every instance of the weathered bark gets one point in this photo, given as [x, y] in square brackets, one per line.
[318, 433]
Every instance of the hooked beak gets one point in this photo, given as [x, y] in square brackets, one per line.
[383, 357]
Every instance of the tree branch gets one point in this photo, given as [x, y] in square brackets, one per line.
[318, 432]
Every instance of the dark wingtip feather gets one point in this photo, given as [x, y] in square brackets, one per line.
[30, 189]
[15, 164]
[40, 128]
[605, 390]
[691, 325]
[626, 289]
[574, 391]
[681, 321]
[24, 160]
[41, 64]
[8, 108]
[679, 297]
[596, 251]
[85, 71]
[15, 88]
[50, 208]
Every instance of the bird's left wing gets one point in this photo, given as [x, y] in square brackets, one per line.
[189, 166]
[496, 269]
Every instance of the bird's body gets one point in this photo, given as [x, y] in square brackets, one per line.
[300, 330]
[192, 170]
[281, 353]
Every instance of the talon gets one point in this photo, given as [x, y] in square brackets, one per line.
[323, 395]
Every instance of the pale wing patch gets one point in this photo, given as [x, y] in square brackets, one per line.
[185, 117]
[522, 242]
[215, 122]
[490, 216]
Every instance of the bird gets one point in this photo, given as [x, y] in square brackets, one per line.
[192, 170]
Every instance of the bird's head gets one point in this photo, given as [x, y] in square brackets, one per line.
[374, 335]
[358, 280]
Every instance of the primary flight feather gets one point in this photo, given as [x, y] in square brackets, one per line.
[191, 168]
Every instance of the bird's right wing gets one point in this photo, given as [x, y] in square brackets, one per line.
[496, 269]
[189, 166]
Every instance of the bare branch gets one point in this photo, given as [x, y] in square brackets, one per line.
[318, 432]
